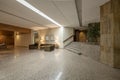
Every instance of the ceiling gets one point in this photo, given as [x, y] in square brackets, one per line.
[62, 11]
[91, 11]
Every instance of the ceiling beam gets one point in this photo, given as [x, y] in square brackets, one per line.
[79, 10]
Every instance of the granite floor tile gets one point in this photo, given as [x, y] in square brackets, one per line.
[24, 64]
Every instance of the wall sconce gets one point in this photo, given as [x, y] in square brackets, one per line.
[17, 33]
[42, 39]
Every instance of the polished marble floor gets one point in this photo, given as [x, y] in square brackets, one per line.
[61, 64]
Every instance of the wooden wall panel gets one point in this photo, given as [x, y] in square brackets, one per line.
[14, 28]
[7, 37]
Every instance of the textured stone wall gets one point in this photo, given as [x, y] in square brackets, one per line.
[116, 11]
[110, 33]
[106, 34]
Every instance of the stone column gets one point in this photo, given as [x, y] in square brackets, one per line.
[110, 33]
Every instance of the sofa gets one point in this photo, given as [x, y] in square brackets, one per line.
[3, 46]
[33, 46]
[47, 47]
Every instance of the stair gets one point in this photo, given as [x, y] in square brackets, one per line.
[88, 50]
[74, 47]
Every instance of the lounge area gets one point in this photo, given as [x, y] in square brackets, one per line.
[45, 47]
[59, 39]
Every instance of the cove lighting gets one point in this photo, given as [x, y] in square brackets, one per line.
[28, 5]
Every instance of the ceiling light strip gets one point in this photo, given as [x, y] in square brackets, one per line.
[26, 4]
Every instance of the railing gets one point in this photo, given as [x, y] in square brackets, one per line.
[68, 40]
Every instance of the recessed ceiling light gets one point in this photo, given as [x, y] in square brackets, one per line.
[28, 5]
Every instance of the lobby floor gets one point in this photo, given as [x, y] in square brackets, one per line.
[61, 64]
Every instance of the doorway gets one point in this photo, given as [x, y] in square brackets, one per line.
[80, 36]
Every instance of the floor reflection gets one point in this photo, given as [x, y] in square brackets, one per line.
[60, 64]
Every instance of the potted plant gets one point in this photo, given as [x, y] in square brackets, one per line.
[93, 33]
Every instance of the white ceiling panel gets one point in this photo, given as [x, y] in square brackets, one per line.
[62, 11]
[12, 6]
[68, 11]
[49, 9]
[8, 19]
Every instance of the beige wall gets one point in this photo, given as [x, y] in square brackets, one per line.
[91, 10]
[23, 40]
[57, 33]
[60, 34]
[68, 32]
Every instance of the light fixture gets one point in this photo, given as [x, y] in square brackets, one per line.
[17, 33]
[28, 5]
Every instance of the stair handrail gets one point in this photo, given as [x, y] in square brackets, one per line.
[68, 38]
